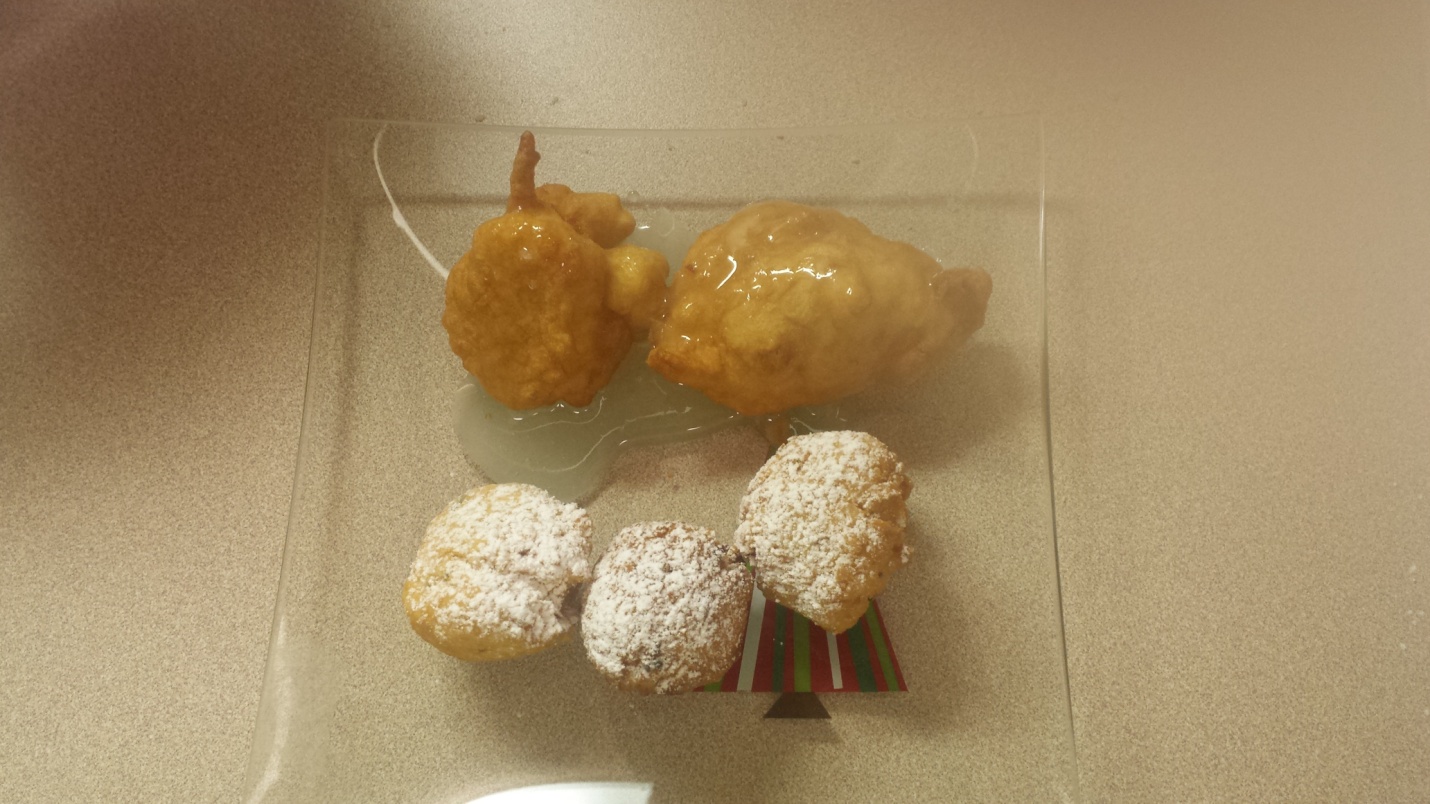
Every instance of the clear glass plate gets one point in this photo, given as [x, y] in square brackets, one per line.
[356, 707]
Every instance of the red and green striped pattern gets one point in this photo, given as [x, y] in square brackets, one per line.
[784, 652]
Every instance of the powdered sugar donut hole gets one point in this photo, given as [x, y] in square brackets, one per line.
[666, 609]
[823, 525]
[497, 571]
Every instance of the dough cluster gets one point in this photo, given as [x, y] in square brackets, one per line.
[821, 526]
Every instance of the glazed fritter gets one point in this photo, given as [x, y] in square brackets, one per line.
[786, 305]
[537, 310]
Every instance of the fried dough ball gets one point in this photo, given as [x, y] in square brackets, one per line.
[494, 576]
[637, 289]
[786, 305]
[823, 524]
[528, 308]
[667, 609]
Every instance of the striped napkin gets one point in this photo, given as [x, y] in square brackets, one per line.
[784, 652]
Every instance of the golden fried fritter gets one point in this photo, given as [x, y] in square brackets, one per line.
[786, 305]
[528, 308]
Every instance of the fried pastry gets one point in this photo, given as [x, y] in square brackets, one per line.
[786, 305]
[529, 306]
[823, 525]
[667, 608]
[496, 573]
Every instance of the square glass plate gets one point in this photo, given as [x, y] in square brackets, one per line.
[356, 707]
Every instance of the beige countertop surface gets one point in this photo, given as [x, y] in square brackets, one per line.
[1238, 257]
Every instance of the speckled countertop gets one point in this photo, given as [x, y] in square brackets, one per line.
[1237, 250]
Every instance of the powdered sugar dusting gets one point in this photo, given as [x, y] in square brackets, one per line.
[499, 563]
[666, 609]
[823, 521]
